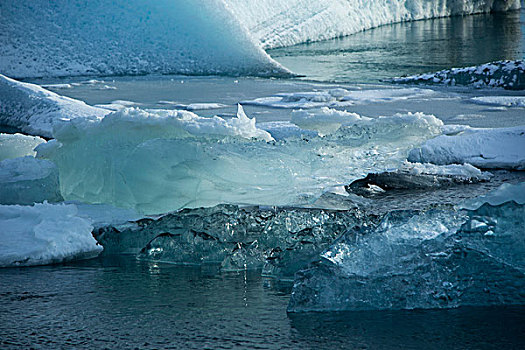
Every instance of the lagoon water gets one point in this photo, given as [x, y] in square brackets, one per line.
[119, 302]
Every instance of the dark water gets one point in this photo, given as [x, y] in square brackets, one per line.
[410, 48]
[123, 303]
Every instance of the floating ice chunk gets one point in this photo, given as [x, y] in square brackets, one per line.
[285, 130]
[35, 110]
[27, 180]
[158, 161]
[504, 193]
[194, 106]
[282, 240]
[117, 105]
[484, 148]
[506, 101]
[426, 259]
[44, 234]
[338, 98]
[18, 145]
[505, 74]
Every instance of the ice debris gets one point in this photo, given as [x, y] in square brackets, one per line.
[506, 74]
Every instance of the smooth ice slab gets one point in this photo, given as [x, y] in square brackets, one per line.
[421, 259]
[44, 234]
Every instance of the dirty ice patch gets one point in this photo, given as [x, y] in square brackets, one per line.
[44, 234]
[338, 98]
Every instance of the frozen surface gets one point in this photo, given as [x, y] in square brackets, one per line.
[18, 145]
[421, 259]
[27, 180]
[44, 234]
[505, 74]
[500, 148]
[194, 106]
[505, 101]
[338, 98]
[35, 110]
[159, 161]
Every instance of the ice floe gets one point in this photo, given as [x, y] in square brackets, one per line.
[499, 148]
[44, 234]
[338, 97]
[505, 74]
[505, 101]
[18, 145]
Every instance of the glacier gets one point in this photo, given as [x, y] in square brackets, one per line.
[42, 39]
[43, 234]
[437, 258]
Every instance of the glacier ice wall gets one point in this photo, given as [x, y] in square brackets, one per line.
[75, 37]
[158, 161]
[284, 23]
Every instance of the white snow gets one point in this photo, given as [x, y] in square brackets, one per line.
[503, 194]
[44, 234]
[18, 145]
[338, 98]
[465, 171]
[506, 101]
[484, 148]
[35, 110]
[117, 105]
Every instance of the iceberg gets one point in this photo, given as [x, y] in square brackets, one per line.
[34, 110]
[506, 74]
[44, 234]
[440, 258]
[28, 180]
[499, 148]
[18, 145]
[167, 37]
[158, 161]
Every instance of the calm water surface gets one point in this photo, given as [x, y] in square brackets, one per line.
[118, 302]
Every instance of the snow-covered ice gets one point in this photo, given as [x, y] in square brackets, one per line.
[194, 106]
[35, 110]
[505, 101]
[498, 148]
[44, 234]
